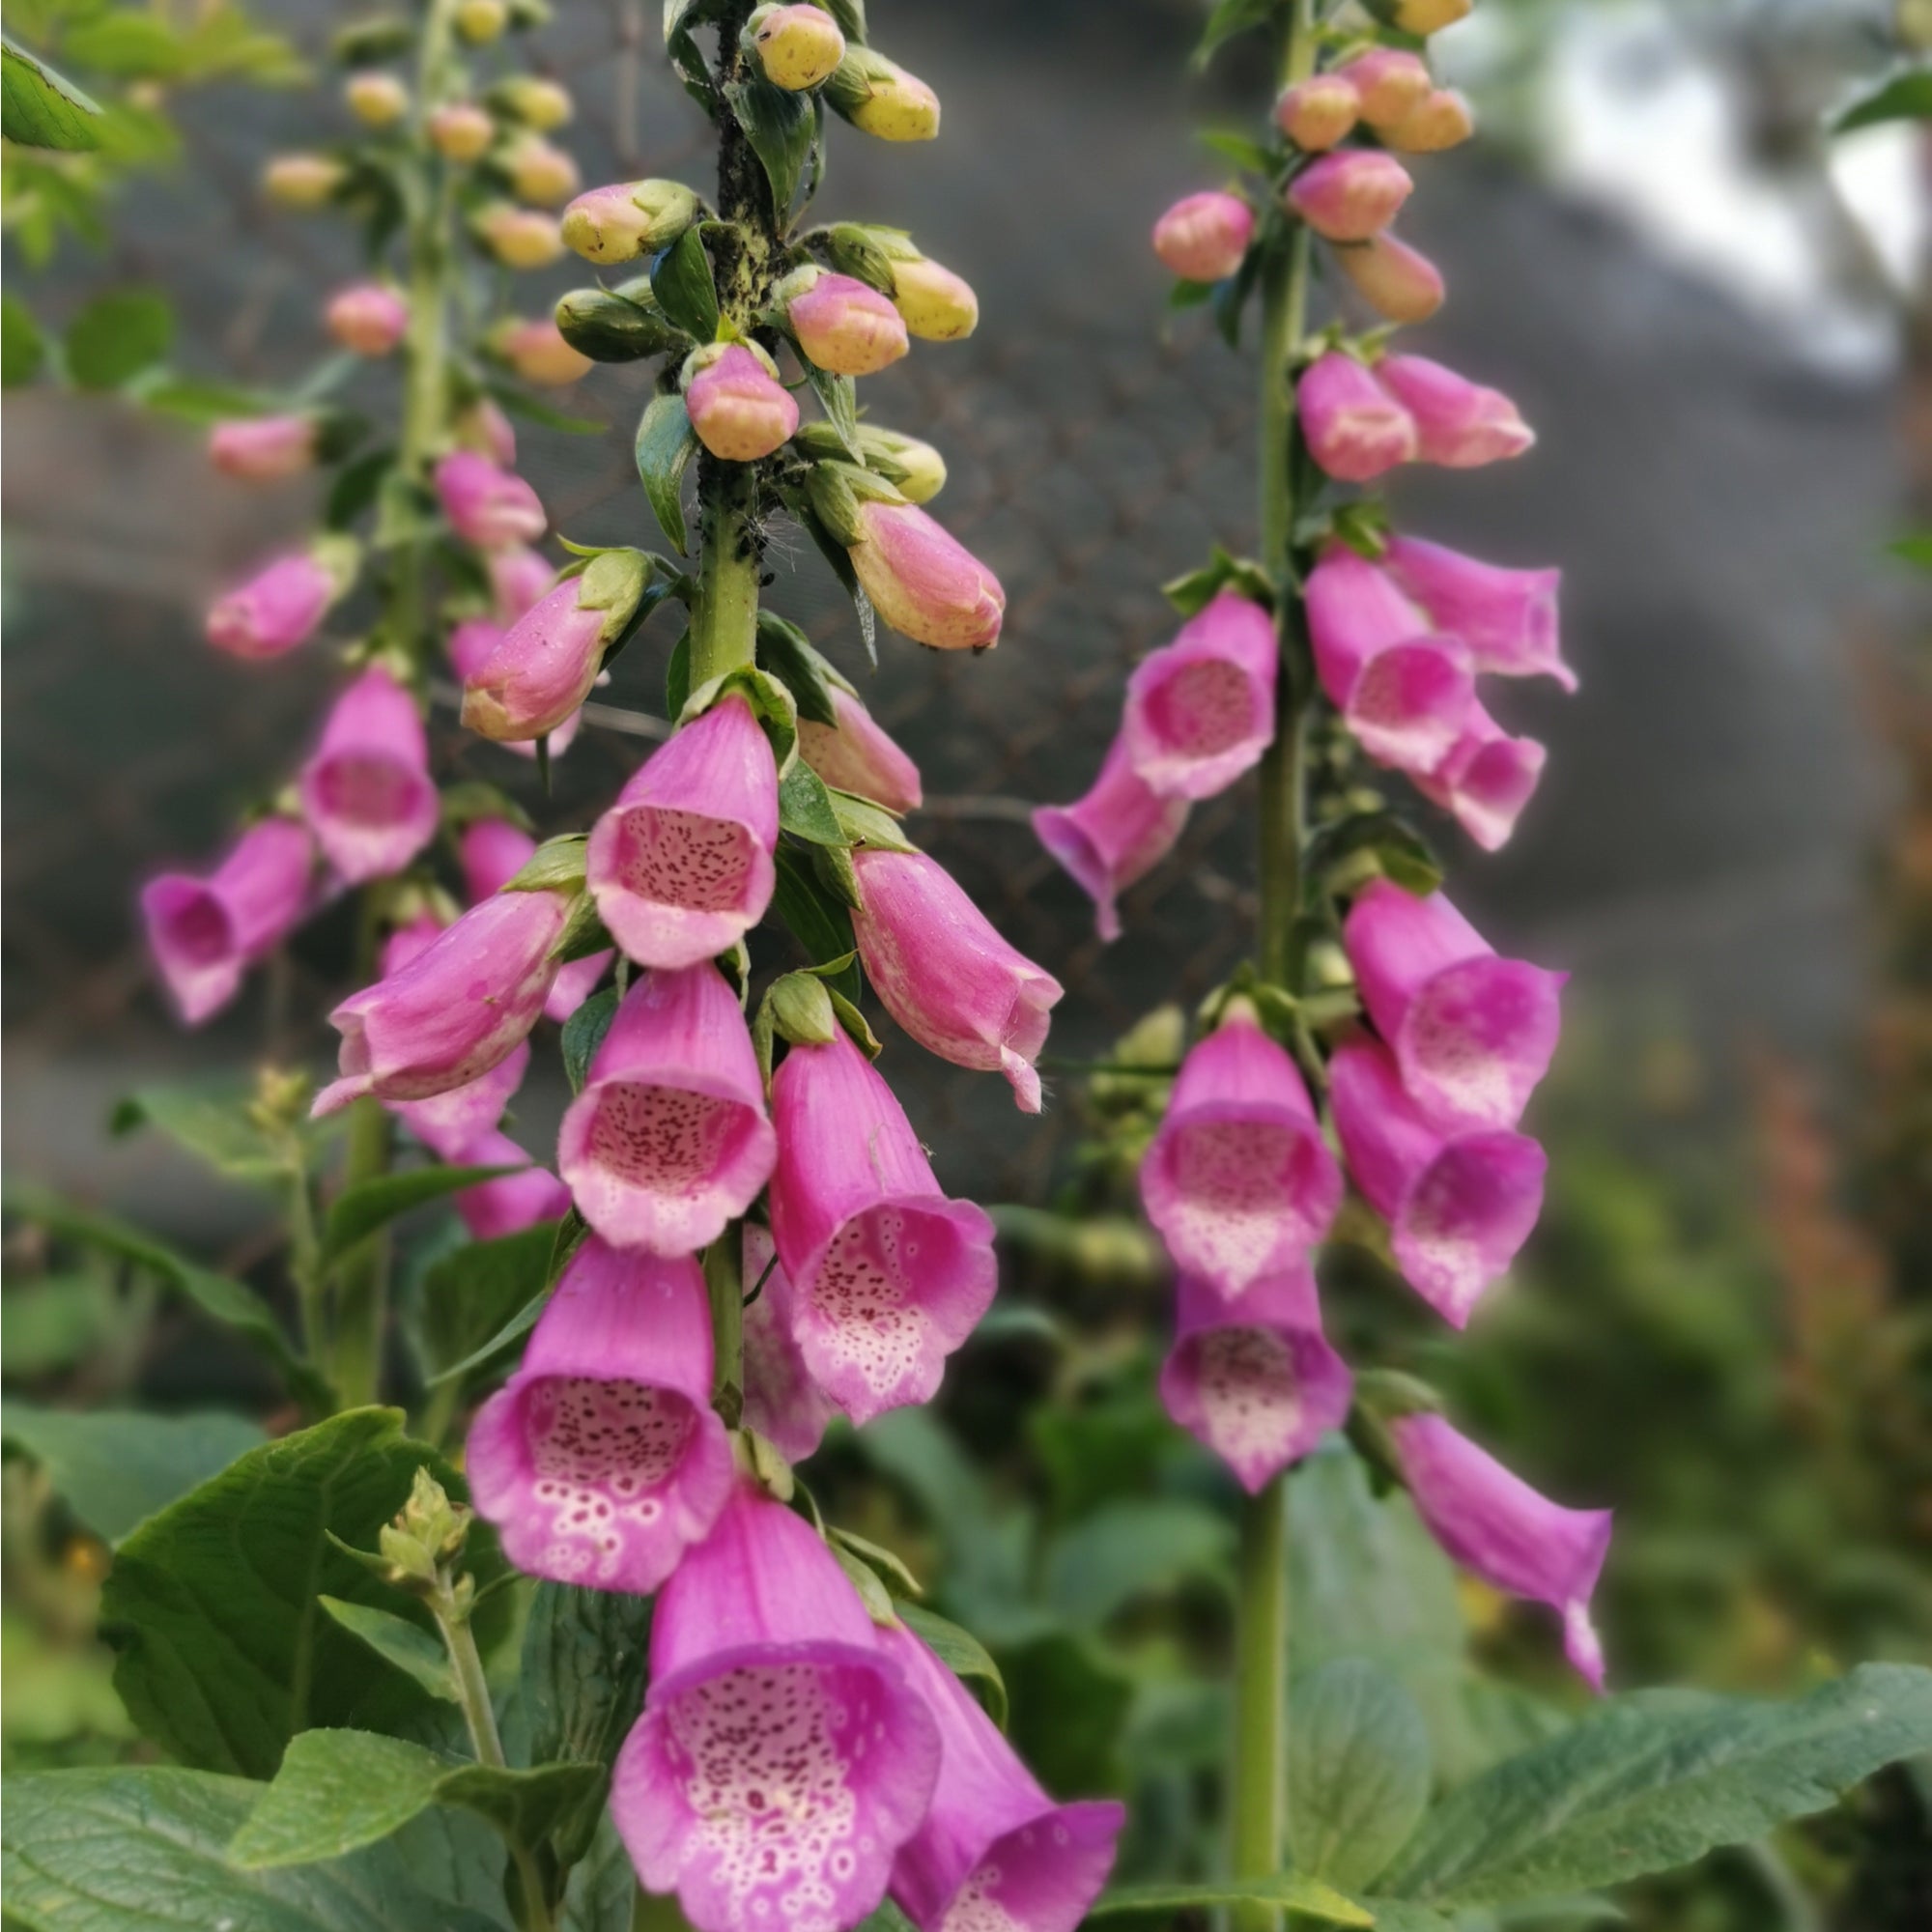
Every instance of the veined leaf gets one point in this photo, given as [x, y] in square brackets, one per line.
[40, 108]
[357, 1211]
[666, 444]
[1290, 1891]
[1358, 1767]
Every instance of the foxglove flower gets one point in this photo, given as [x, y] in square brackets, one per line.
[512, 1202]
[782, 1759]
[1485, 779]
[277, 609]
[367, 792]
[1351, 196]
[739, 410]
[1390, 83]
[669, 1140]
[263, 449]
[537, 349]
[881, 98]
[487, 506]
[493, 851]
[472, 644]
[781, 1401]
[856, 754]
[369, 318]
[1114, 836]
[601, 1460]
[625, 219]
[1237, 1181]
[1508, 618]
[1200, 710]
[1459, 424]
[681, 864]
[1459, 1206]
[887, 1276]
[529, 681]
[1356, 430]
[1319, 113]
[456, 1010]
[1203, 237]
[923, 581]
[946, 976]
[1495, 1526]
[1257, 1383]
[205, 933]
[520, 580]
[1471, 1034]
[455, 1126]
[994, 1853]
[842, 325]
[1399, 283]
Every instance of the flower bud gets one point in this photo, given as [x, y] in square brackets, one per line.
[1440, 122]
[520, 578]
[302, 181]
[1350, 196]
[1423, 17]
[369, 318]
[1356, 431]
[915, 467]
[842, 325]
[520, 237]
[1389, 83]
[484, 428]
[460, 130]
[1203, 237]
[881, 98]
[619, 325]
[376, 99]
[487, 506]
[796, 46]
[481, 21]
[935, 304]
[540, 171]
[625, 219]
[1461, 424]
[263, 449]
[471, 646]
[1397, 281]
[277, 609]
[857, 754]
[1319, 113]
[539, 104]
[366, 793]
[537, 351]
[739, 408]
[923, 581]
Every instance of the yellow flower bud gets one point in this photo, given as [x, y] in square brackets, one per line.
[798, 47]
[520, 237]
[481, 21]
[937, 306]
[538, 352]
[461, 130]
[1440, 120]
[541, 172]
[1431, 17]
[536, 103]
[881, 98]
[302, 181]
[376, 99]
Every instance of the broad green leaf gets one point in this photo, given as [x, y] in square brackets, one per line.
[565, 1240]
[356, 486]
[533, 409]
[335, 1792]
[526, 1806]
[193, 400]
[804, 807]
[681, 279]
[1229, 18]
[116, 1467]
[357, 1211]
[1352, 850]
[124, 1849]
[23, 347]
[779, 125]
[583, 1034]
[863, 823]
[1655, 1782]
[1290, 1891]
[665, 446]
[52, 1322]
[411, 1649]
[40, 108]
[813, 917]
[1128, 1551]
[839, 397]
[963, 1653]
[785, 650]
[1905, 96]
[117, 336]
[466, 1296]
[1357, 1772]
[211, 1122]
[1238, 149]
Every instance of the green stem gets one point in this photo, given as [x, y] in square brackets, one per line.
[362, 1282]
[724, 1284]
[1259, 1769]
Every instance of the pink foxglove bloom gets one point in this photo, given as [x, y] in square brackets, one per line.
[412, 941]
[845, 327]
[1351, 196]
[1485, 779]
[1257, 1383]
[923, 581]
[946, 976]
[1356, 430]
[1237, 1181]
[1399, 283]
[1390, 83]
[1508, 618]
[457, 1009]
[1200, 710]
[995, 1852]
[1319, 113]
[856, 754]
[669, 1140]
[681, 864]
[277, 609]
[1114, 836]
[512, 1202]
[1203, 237]
[739, 408]
[1497, 1528]
[369, 318]
[453, 1125]
[1459, 1206]
[1459, 424]
[1471, 1034]
[263, 449]
[781, 1401]
[520, 578]
[368, 793]
[782, 1758]
[887, 1276]
[487, 506]
[205, 933]
[493, 851]
[529, 681]
[601, 1460]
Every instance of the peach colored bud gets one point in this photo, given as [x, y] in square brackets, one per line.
[624, 219]
[842, 325]
[539, 104]
[1350, 196]
[1203, 237]
[1440, 122]
[368, 318]
[538, 352]
[481, 21]
[923, 581]
[484, 428]
[376, 99]
[1395, 280]
[1423, 17]
[302, 181]
[263, 449]
[461, 130]
[541, 172]
[1315, 114]
[1389, 83]
[739, 408]
[520, 237]
[797, 47]
[936, 304]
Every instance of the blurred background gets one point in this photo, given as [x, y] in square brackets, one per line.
[1719, 317]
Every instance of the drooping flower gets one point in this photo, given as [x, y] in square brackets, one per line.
[472, 644]
[1237, 1181]
[493, 851]
[1319, 113]
[1352, 195]
[1114, 836]
[1495, 1526]
[1459, 424]
[601, 1461]
[994, 1853]
[512, 1202]
[841, 324]
[205, 933]
[368, 318]
[1508, 618]
[1399, 283]
[781, 1401]
[1356, 430]
[888, 1275]
[1203, 237]
[923, 581]
[1256, 1382]
[277, 609]
[681, 864]
[456, 1125]
[946, 976]
[366, 792]
[533, 677]
[1472, 1034]
[739, 410]
[487, 506]
[782, 1759]
[1485, 779]
[1200, 710]
[669, 1140]
[857, 754]
[263, 449]
[1458, 1204]
[797, 47]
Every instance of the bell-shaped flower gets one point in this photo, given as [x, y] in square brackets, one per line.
[1508, 618]
[410, 939]
[1459, 1206]
[601, 1461]
[1497, 1528]
[1200, 710]
[1239, 1181]
[487, 506]
[368, 318]
[1350, 196]
[669, 1140]
[1257, 1383]
[1319, 113]
[493, 852]
[1485, 779]
[1113, 836]
[509, 691]
[994, 1853]
[1399, 283]
[1472, 1034]
[739, 410]
[888, 1275]
[923, 581]
[277, 609]
[782, 1759]
[263, 449]
[512, 1202]
[520, 580]
[452, 1125]
[457, 1009]
[366, 792]
[946, 976]
[1356, 430]
[681, 864]
[1203, 237]
[1389, 82]
[781, 1401]
[842, 325]
[1459, 424]
[857, 754]
[205, 933]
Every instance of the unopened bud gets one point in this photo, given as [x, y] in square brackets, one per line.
[376, 99]
[1440, 122]
[620, 325]
[1315, 114]
[263, 449]
[481, 21]
[541, 172]
[1397, 281]
[538, 352]
[739, 408]
[520, 237]
[881, 98]
[915, 467]
[842, 325]
[539, 104]
[1422, 18]
[302, 181]
[935, 304]
[1390, 83]
[461, 130]
[369, 318]
[1351, 196]
[625, 219]
[1203, 237]
[484, 428]
[797, 47]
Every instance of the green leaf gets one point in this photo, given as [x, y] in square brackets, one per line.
[1229, 18]
[839, 561]
[1238, 149]
[212, 1123]
[526, 1806]
[122, 1849]
[784, 651]
[356, 486]
[117, 336]
[1651, 1783]
[335, 1792]
[1130, 1550]
[665, 446]
[1347, 854]
[359, 1210]
[839, 397]
[396, 1641]
[813, 916]
[1905, 96]
[860, 822]
[194, 401]
[565, 1240]
[963, 1653]
[23, 348]
[466, 1296]
[1289, 1891]
[40, 108]
[682, 282]
[116, 1467]
[780, 127]
[1358, 1764]
[804, 807]
[583, 1034]
[1914, 549]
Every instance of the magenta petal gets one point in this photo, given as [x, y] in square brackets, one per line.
[856, 754]
[529, 681]
[493, 852]
[1200, 710]
[1114, 836]
[1356, 431]
[1486, 780]
[669, 1140]
[781, 1401]
[601, 1461]
[450, 1125]
[575, 983]
[366, 792]
[888, 1275]
[487, 506]
[512, 1202]
[681, 865]
[1459, 424]
[277, 609]
[1237, 1181]
[1411, 702]
[1507, 617]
